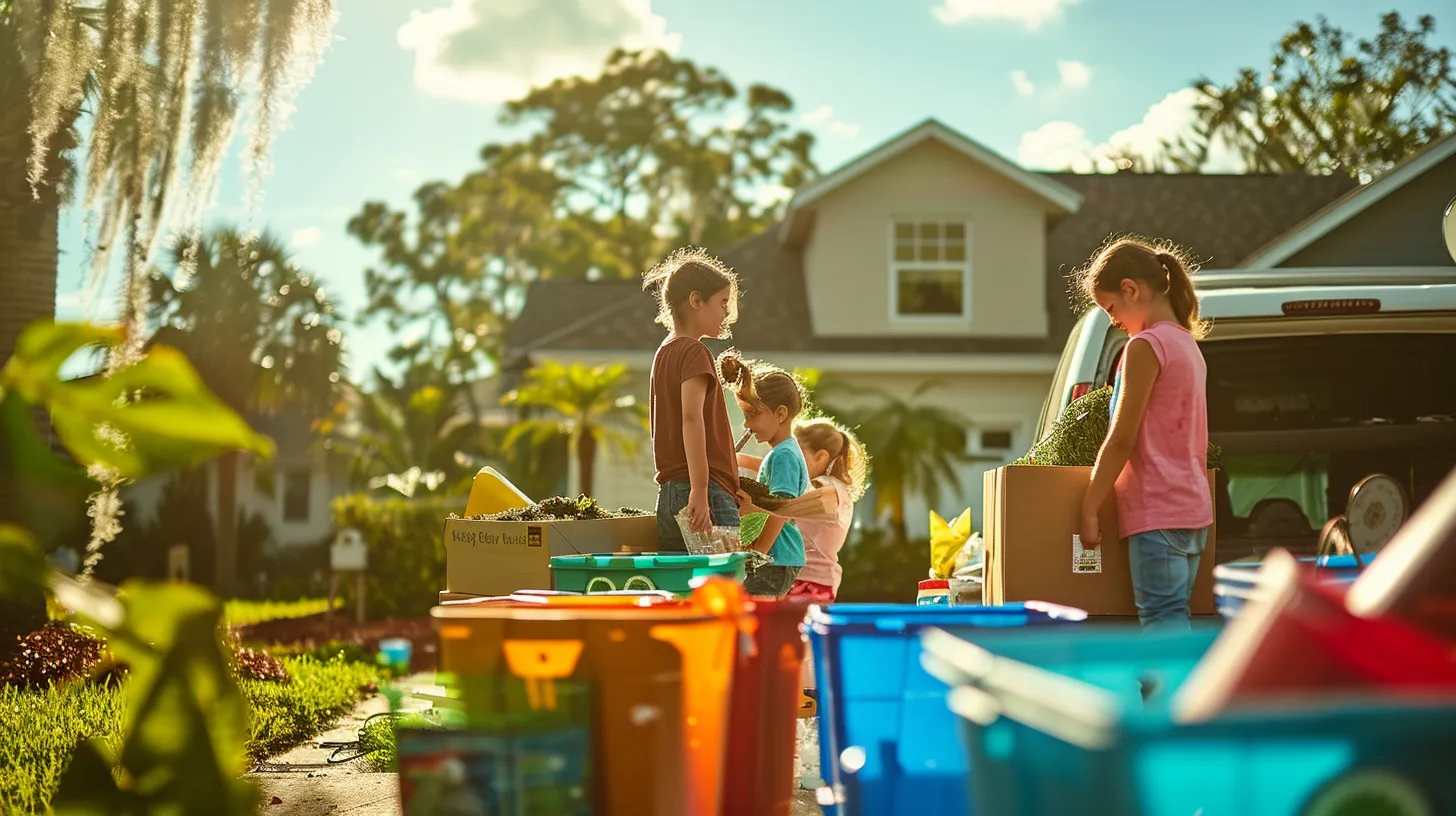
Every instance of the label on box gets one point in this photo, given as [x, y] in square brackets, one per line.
[1085, 560]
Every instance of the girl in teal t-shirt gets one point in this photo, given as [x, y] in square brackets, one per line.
[771, 399]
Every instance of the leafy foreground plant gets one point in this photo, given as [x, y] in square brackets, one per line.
[39, 728]
[181, 745]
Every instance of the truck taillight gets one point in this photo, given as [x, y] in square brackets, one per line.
[1330, 306]
[1080, 390]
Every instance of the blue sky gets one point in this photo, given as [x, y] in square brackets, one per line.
[409, 91]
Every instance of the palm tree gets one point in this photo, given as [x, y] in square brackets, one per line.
[915, 447]
[262, 334]
[586, 402]
[420, 420]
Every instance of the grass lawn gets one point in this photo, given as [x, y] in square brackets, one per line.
[240, 612]
[39, 729]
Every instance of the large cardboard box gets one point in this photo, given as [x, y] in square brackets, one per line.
[500, 557]
[1031, 514]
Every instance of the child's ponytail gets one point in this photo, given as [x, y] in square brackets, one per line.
[1180, 293]
[1162, 266]
[759, 383]
[848, 461]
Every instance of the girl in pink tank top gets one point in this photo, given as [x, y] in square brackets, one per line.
[1154, 458]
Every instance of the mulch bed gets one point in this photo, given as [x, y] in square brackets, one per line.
[323, 628]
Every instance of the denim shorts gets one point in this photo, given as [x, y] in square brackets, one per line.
[1164, 564]
[673, 497]
[771, 581]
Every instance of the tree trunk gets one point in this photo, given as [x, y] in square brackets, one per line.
[586, 459]
[225, 563]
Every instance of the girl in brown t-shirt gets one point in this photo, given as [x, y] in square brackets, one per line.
[692, 440]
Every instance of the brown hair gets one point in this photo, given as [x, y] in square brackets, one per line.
[848, 461]
[1163, 266]
[685, 271]
[760, 383]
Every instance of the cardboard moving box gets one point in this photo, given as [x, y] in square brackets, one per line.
[500, 557]
[1031, 515]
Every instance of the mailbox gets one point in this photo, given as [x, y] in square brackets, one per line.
[348, 553]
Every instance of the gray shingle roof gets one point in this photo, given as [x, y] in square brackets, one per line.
[1221, 219]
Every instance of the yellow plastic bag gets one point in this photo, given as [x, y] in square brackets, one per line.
[946, 541]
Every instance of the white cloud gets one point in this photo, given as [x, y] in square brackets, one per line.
[1074, 74]
[1023, 84]
[306, 237]
[494, 50]
[819, 114]
[1030, 13]
[1056, 146]
[1065, 145]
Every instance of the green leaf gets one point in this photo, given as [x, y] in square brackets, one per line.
[750, 527]
[160, 404]
[45, 489]
[22, 564]
[87, 788]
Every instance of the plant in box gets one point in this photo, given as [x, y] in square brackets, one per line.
[1077, 436]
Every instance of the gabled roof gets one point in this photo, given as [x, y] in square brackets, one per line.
[1219, 218]
[1064, 197]
[1325, 221]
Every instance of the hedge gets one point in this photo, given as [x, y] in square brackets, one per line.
[406, 552]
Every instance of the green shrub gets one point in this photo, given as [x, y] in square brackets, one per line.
[238, 612]
[406, 551]
[877, 569]
[285, 714]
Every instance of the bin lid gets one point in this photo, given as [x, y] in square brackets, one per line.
[909, 617]
[608, 561]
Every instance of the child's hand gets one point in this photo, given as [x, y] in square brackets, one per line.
[746, 507]
[700, 519]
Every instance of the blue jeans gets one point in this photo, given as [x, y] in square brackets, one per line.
[673, 497]
[1164, 564]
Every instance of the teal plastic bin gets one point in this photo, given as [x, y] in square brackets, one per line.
[1049, 734]
[653, 571]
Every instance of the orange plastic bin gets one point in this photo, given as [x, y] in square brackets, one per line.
[761, 727]
[662, 672]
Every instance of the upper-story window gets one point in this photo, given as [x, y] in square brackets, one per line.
[930, 269]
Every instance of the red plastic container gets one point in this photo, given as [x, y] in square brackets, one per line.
[759, 777]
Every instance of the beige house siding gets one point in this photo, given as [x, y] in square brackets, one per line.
[847, 258]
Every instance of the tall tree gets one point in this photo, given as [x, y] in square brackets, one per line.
[659, 152]
[587, 403]
[161, 86]
[1332, 104]
[262, 333]
[915, 446]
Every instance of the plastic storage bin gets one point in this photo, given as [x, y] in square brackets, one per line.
[661, 673]
[1043, 742]
[759, 778]
[1236, 583]
[671, 572]
[887, 745]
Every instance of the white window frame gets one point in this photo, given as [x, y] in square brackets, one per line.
[895, 268]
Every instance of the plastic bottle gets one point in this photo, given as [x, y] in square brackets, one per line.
[493, 493]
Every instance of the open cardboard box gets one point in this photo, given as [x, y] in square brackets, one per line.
[501, 557]
[1031, 514]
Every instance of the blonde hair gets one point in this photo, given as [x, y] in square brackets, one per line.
[848, 461]
[759, 383]
[685, 271]
[1163, 266]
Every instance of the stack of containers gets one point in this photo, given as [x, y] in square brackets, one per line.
[887, 746]
[691, 701]
[672, 572]
[1237, 582]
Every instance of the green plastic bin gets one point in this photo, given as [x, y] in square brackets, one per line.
[665, 571]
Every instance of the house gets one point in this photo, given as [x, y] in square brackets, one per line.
[928, 257]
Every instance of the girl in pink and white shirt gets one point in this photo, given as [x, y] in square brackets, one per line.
[836, 459]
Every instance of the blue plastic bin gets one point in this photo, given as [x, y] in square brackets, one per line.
[1041, 741]
[875, 697]
[1237, 582]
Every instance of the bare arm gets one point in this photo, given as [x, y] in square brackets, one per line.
[695, 434]
[770, 534]
[1140, 371]
[749, 461]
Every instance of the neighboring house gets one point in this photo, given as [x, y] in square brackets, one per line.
[292, 492]
[927, 257]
